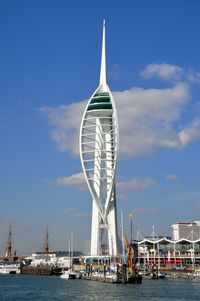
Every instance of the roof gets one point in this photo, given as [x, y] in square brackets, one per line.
[165, 240]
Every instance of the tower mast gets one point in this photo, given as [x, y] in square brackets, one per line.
[103, 75]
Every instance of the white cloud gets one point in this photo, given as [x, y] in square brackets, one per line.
[163, 71]
[149, 119]
[79, 180]
[171, 73]
[136, 184]
[191, 132]
[73, 180]
[171, 177]
[193, 77]
[65, 121]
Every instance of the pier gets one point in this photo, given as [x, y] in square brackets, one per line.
[102, 279]
[41, 270]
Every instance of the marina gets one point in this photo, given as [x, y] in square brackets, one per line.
[100, 196]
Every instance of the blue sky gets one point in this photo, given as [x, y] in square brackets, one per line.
[49, 67]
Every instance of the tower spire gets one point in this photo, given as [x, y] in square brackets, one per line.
[99, 153]
[103, 79]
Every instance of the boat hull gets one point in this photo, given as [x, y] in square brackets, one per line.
[69, 275]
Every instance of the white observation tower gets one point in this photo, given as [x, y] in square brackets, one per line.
[98, 151]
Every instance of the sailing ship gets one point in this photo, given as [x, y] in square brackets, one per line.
[129, 272]
[10, 264]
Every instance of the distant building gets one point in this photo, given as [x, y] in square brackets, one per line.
[41, 258]
[186, 230]
[55, 258]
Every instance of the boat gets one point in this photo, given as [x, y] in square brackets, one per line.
[69, 274]
[10, 265]
[134, 279]
[145, 273]
[158, 275]
[10, 268]
[133, 276]
[112, 277]
[196, 274]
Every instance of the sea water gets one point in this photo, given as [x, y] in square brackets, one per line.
[53, 288]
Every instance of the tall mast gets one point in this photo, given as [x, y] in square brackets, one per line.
[72, 249]
[9, 245]
[103, 77]
[47, 242]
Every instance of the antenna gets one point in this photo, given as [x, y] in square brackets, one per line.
[103, 77]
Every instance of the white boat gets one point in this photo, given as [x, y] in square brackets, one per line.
[196, 274]
[158, 275]
[113, 277]
[10, 268]
[69, 274]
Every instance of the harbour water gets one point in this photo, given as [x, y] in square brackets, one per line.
[52, 288]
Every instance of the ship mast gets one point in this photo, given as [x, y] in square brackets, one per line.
[46, 248]
[9, 256]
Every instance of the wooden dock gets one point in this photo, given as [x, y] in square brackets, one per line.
[41, 270]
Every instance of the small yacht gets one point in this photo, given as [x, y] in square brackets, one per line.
[69, 274]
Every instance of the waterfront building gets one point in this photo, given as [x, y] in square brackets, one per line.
[167, 252]
[98, 152]
[188, 230]
[54, 258]
[42, 258]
